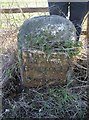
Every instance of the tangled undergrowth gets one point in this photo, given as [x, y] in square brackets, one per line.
[63, 102]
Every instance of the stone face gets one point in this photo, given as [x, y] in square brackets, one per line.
[41, 44]
[39, 71]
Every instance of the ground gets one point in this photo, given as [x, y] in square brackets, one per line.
[54, 101]
[40, 102]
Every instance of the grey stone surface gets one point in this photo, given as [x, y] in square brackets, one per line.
[57, 26]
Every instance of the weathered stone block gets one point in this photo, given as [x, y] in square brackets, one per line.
[43, 47]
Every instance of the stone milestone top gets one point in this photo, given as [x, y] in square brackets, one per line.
[51, 30]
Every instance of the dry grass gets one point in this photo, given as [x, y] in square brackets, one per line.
[47, 102]
[67, 102]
